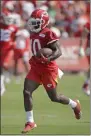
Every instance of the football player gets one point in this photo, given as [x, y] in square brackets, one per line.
[8, 32]
[86, 33]
[43, 70]
[21, 49]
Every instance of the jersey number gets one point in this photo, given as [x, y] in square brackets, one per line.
[36, 45]
[5, 35]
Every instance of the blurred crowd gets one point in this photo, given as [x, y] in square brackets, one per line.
[67, 17]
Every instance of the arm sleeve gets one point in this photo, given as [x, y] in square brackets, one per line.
[51, 37]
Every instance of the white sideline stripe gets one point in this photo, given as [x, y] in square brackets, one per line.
[17, 116]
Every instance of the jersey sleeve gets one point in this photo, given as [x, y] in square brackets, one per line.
[51, 37]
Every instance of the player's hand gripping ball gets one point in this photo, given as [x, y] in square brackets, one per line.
[43, 54]
[46, 52]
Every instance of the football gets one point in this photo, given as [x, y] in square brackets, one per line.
[45, 51]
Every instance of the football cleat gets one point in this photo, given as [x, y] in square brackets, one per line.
[86, 89]
[87, 92]
[77, 110]
[29, 126]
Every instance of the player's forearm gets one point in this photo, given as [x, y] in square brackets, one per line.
[56, 51]
[56, 54]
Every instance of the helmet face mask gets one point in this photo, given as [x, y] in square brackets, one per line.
[38, 20]
[34, 24]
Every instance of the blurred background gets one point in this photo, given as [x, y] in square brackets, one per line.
[67, 20]
[68, 16]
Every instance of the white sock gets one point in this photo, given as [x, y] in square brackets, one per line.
[72, 103]
[29, 116]
[2, 79]
[2, 87]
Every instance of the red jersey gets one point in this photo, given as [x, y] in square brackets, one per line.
[43, 73]
[41, 40]
[7, 35]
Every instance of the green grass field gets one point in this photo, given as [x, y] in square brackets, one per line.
[51, 118]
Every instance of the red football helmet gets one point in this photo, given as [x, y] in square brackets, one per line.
[38, 20]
